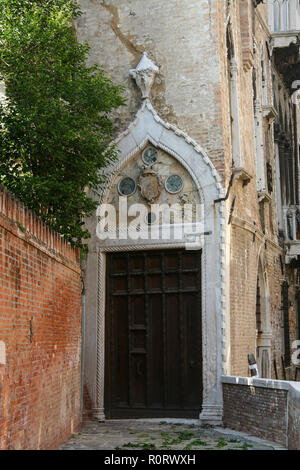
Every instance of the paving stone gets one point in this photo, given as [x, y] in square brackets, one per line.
[160, 435]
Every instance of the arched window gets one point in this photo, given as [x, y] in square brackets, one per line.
[276, 14]
[285, 16]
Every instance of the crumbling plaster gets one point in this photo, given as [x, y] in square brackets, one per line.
[175, 35]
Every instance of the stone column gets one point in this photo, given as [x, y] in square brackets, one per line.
[234, 108]
[282, 171]
[261, 183]
[98, 411]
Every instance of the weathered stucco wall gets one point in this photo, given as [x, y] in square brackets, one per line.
[181, 38]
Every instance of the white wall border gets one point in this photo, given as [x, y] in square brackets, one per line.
[256, 382]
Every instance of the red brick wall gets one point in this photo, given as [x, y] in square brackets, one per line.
[40, 330]
[246, 31]
[261, 412]
[269, 409]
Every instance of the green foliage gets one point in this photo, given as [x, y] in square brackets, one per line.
[195, 443]
[55, 130]
[182, 436]
[221, 443]
[137, 445]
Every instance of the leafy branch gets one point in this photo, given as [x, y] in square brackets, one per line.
[55, 126]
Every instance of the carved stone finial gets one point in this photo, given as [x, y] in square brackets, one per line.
[144, 74]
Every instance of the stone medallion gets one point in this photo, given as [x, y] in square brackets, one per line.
[150, 185]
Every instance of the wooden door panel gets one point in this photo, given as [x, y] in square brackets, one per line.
[156, 352]
[153, 334]
[120, 353]
[138, 380]
[191, 348]
[173, 351]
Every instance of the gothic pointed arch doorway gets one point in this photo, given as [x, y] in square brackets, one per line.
[177, 150]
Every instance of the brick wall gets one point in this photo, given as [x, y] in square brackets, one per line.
[269, 409]
[40, 332]
[294, 417]
[253, 236]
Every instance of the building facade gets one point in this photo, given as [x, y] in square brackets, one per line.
[211, 123]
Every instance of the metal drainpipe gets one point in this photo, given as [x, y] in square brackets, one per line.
[221, 199]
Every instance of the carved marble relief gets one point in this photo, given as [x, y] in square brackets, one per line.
[165, 181]
[150, 184]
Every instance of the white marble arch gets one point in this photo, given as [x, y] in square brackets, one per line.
[148, 127]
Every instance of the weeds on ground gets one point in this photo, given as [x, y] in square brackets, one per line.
[221, 443]
[195, 443]
[137, 445]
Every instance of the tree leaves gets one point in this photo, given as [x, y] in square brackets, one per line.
[55, 127]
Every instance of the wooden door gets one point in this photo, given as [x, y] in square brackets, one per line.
[153, 334]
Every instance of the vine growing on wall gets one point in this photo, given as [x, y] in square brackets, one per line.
[55, 126]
